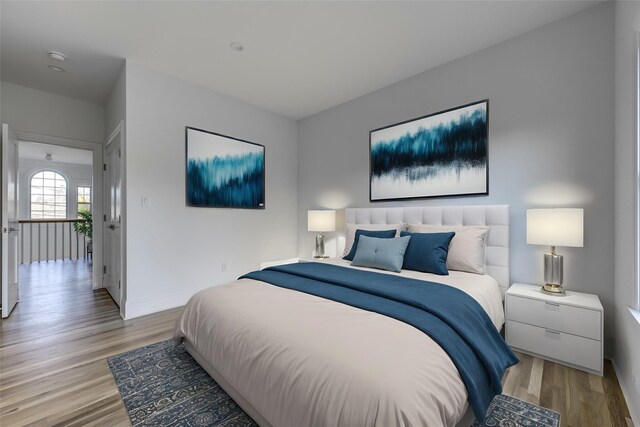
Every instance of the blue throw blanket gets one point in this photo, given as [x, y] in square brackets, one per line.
[449, 316]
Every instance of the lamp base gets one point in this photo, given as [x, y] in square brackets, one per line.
[555, 290]
[321, 257]
[319, 246]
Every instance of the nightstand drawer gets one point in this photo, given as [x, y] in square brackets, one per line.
[555, 316]
[563, 347]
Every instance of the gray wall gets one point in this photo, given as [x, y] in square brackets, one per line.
[174, 250]
[44, 113]
[550, 141]
[627, 357]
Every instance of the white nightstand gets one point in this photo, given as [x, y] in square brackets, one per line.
[267, 264]
[312, 259]
[565, 329]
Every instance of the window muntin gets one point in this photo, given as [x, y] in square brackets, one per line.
[48, 196]
[84, 198]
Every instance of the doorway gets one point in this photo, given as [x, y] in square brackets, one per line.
[58, 231]
[55, 206]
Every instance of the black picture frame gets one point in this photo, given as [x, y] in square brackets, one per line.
[243, 188]
[394, 164]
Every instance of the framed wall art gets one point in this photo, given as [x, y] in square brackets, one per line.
[224, 172]
[442, 154]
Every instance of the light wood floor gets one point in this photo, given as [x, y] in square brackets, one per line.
[53, 351]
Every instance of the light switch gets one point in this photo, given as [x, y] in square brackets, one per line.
[146, 201]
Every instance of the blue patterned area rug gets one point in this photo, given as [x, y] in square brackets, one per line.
[507, 411]
[162, 385]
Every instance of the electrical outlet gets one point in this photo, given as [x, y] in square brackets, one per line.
[223, 267]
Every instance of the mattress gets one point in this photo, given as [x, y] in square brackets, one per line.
[301, 360]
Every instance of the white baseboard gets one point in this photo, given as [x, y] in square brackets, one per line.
[142, 307]
[634, 407]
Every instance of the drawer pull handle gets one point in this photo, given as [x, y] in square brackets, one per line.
[552, 303]
[552, 332]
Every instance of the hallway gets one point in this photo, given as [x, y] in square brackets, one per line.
[53, 290]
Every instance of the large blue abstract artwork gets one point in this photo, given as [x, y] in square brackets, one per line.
[442, 154]
[224, 172]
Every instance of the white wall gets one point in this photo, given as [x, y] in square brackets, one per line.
[627, 349]
[44, 113]
[550, 141]
[174, 250]
[116, 107]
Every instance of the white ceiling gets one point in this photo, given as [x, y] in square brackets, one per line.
[299, 58]
[37, 151]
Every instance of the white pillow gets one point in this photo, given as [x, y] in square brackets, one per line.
[466, 250]
[351, 232]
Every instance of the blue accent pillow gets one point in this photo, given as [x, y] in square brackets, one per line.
[427, 252]
[386, 254]
[381, 234]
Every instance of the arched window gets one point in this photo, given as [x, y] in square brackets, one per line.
[48, 195]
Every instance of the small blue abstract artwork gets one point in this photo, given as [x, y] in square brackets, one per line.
[224, 172]
[442, 154]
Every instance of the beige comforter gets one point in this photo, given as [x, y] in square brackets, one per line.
[301, 360]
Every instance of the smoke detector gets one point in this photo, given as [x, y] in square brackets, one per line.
[57, 56]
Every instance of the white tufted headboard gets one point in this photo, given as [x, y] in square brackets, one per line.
[496, 217]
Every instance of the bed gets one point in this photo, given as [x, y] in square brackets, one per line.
[290, 358]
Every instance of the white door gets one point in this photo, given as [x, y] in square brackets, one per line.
[9, 220]
[112, 190]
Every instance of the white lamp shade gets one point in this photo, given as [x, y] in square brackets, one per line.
[322, 220]
[555, 227]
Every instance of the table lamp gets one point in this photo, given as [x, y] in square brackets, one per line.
[321, 221]
[555, 227]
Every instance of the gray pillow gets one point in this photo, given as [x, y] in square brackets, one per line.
[385, 254]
